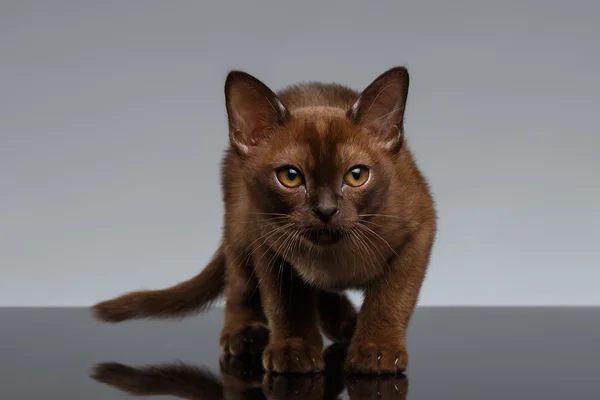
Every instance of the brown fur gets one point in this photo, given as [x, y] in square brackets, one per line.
[288, 253]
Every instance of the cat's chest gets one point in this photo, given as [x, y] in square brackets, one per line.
[336, 270]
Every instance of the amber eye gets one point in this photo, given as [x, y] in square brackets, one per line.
[357, 176]
[290, 177]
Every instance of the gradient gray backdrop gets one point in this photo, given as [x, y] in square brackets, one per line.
[112, 126]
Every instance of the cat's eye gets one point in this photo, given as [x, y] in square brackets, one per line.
[290, 177]
[356, 176]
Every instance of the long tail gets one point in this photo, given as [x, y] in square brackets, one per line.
[178, 301]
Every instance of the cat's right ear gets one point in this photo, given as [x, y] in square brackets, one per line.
[253, 110]
[379, 109]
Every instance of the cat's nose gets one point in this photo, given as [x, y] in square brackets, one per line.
[325, 213]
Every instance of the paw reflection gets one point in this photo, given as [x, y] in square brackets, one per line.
[243, 368]
[283, 387]
[392, 387]
[244, 378]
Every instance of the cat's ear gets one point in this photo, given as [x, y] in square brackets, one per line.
[253, 110]
[379, 109]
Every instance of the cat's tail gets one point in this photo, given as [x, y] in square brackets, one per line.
[177, 301]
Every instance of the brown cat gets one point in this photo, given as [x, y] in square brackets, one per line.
[321, 195]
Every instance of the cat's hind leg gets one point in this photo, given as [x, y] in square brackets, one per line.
[337, 316]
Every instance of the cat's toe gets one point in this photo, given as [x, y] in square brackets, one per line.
[371, 358]
[248, 339]
[293, 356]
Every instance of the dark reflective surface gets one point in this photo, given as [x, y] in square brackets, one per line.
[456, 353]
[243, 378]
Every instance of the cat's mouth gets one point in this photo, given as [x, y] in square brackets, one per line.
[324, 237]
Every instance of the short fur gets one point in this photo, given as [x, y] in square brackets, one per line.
[288, 253]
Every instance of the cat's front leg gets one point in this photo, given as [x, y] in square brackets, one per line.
[245, 331]
[296, 344]
[379, 343]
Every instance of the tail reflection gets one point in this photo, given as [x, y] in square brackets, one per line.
[243, 378]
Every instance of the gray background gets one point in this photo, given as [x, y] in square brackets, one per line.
[112, 125]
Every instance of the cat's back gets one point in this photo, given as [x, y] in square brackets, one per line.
[311, 94]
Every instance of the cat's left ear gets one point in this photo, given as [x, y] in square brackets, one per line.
[253, 111]
[379, 109]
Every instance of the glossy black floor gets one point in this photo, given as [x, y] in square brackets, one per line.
[456, 353]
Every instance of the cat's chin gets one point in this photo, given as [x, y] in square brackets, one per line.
[323, 237]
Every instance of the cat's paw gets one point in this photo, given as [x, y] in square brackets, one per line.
[395, 387]
[376, 358]
[293, 356]
[248, 339]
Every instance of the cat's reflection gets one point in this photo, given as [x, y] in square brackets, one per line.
[243, 378]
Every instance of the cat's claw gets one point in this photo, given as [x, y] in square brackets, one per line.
[376, 359]
[293, 356]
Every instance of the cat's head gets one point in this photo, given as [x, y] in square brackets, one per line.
[320, 168]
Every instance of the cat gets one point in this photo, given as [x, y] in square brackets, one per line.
[321, 194]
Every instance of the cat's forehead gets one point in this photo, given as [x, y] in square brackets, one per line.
[322, 137]
[326, 125]
[318, 120]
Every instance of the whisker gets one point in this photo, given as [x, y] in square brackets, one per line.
[267, 236]
[272, 259]
[370, 246]
[380, 237]
[244, 234]
[289, 248]
[381, 215]
[272, 247]
[374, 224]
[349, 236]
[264, 213]
[361, 245]
[253, 250]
